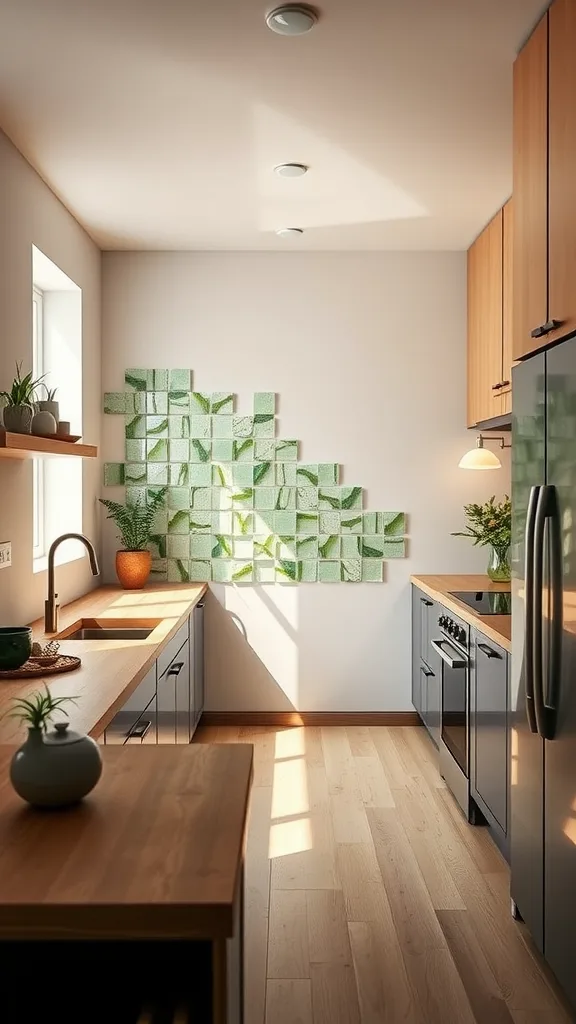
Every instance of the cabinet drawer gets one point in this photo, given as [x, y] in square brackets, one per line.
[169, 653]
[143, 693]
[122, 725]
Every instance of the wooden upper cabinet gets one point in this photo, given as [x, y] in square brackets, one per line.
[530, 191]
[485, 324]
[507, 305]
[562, 168]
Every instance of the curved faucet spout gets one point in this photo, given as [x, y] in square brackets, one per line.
[51, 606]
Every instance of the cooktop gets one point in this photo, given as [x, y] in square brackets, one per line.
[487, 602]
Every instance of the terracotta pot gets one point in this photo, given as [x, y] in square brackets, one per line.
[133, 568]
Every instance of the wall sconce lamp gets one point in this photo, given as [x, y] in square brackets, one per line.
[481, 457]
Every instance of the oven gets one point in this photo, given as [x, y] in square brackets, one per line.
[452, 647]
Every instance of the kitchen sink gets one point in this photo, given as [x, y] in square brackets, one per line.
[94, 629]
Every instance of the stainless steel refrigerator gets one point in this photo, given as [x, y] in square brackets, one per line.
[543, 676]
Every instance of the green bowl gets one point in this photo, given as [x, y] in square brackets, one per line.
[15, 646]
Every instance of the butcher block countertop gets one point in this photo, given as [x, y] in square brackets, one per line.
[110, 669]
[496, 627]
[156, 850]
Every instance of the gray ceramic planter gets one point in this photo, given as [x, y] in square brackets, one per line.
[18, 418]
[52, 407]
[56, 769]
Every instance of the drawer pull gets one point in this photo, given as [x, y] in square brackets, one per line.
[544, 329]
[139, 730]
[175, 669]
[488, 651]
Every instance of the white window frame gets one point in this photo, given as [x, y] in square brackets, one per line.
[38, 474]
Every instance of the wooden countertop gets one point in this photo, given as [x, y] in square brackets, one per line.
[156, 850]
[111, 669]
[496, 627]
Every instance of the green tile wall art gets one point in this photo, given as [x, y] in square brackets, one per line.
[241, 507]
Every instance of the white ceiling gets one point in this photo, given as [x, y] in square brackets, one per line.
[158, 122]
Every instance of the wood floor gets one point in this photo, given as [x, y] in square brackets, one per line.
[369, 898]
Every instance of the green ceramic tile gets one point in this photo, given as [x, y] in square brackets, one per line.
[157, 426]
[307, 522]
[285, 498]
[308, 498]
[351, 570]
[371, 571]
[242, 572]
[285, 524]
[223, 522]
[200, 498]
[243, 523]
[222, 450]
[328, 474]
[262, 473]
[264, 425]
[351, 522]
[243, 451]
[178, 570]
[394, 548]
[179, 449]
[135, 473]
[221, 403]
[286, 474]
[329, 545]
[351, 498]
[265, 451]
[156, 403]
[157, 473]
[308, 570]
[153, 491]
[179, 498]
[115, 403]
[200, 545]
[243, 474]
[243, 548]
[265, 546]
[200, 426]
[179, 403]
[222, 474]
[329, 522]
[307, 546]
[264, 403]
[264, 572]
[200, 451]
[286, 548]
[135, 427]
[178, 546]
[114, 474]
[329, 571]
[221, 499]
[242, 426]
[201, 522]
[200, 474]
[135, 403]
[351, 546]
[372, 547]
[157, 449]
[307, 474]
[135, 450]
[287, 451]
[158, 380]
[370, 523]
[199, 403]
[179, 380]
[159, 570]
[179, 426]
[287, 570]
[137, 380]
[179, 474]
[178, 521]
[200, 572]
[393, 523]
[265, 498]
[243, 498]
[135, 495]
[222, 570]
[222, 426]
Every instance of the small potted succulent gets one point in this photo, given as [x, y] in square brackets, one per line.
[19, 402]
[135, 522]
[491, 525]
[49, 404]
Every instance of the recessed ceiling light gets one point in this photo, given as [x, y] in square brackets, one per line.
[289, 232]
[290, 170]
[292, 19]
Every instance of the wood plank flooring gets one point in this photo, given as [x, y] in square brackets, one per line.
[369, 899]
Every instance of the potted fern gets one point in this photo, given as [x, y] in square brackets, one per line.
[135, 522]
[19, 402]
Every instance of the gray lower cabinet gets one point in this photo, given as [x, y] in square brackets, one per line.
[489, 735]
[425, 676]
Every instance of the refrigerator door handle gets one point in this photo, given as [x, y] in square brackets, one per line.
[547, 509]
[529, 611]
[556, 614]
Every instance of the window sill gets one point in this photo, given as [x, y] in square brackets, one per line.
[41, 564]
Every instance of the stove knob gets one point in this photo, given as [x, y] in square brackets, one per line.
[462, 636]
[442, 620]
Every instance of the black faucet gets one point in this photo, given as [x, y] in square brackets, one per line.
[51, 606]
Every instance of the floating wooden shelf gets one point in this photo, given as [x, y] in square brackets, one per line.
[27, 446]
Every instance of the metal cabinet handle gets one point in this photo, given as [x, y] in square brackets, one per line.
[543, 329]
[175, 669]
[426, 672]
[488, 651]
[139, 730]
[425, 601]
[496, 387]
[457, 662]
[505, 384]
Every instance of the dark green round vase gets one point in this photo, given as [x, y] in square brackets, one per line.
[15, 647]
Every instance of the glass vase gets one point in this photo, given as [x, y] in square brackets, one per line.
[499, 564]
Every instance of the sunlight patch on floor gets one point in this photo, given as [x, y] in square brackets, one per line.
[289, 837]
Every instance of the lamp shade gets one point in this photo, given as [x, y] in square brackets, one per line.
[480, 458]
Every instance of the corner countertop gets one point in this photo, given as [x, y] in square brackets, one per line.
[496, 627]
[156, 850]
[110, 669]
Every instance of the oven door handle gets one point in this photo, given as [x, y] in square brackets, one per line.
[457, 662]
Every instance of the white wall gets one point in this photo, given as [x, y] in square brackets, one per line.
[30, 214]
[367, 354]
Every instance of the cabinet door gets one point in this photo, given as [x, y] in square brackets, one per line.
[530, 191]
[141, 702]
[490, 709]
[174, 700]
[485, 323]
[507, 305]
[433, 705]
[197, 661]
[416, 650]
[562, 168]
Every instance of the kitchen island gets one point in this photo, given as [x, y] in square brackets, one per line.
[135, 895]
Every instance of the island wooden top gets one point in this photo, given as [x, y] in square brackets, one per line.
[156, 850]
[496, 627]
[110, 669]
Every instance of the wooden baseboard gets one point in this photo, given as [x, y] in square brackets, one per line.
[299, 718]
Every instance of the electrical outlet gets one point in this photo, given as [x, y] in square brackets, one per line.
[5, 555]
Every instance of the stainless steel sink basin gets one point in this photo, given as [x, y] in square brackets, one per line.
[109, 634]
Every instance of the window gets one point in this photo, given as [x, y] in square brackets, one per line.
[39, 496]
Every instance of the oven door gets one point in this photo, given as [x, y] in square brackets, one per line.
[454, 701]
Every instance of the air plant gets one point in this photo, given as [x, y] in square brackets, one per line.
[22, 390]
[36, 710]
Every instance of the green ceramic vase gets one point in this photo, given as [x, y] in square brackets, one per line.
[15, 647]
